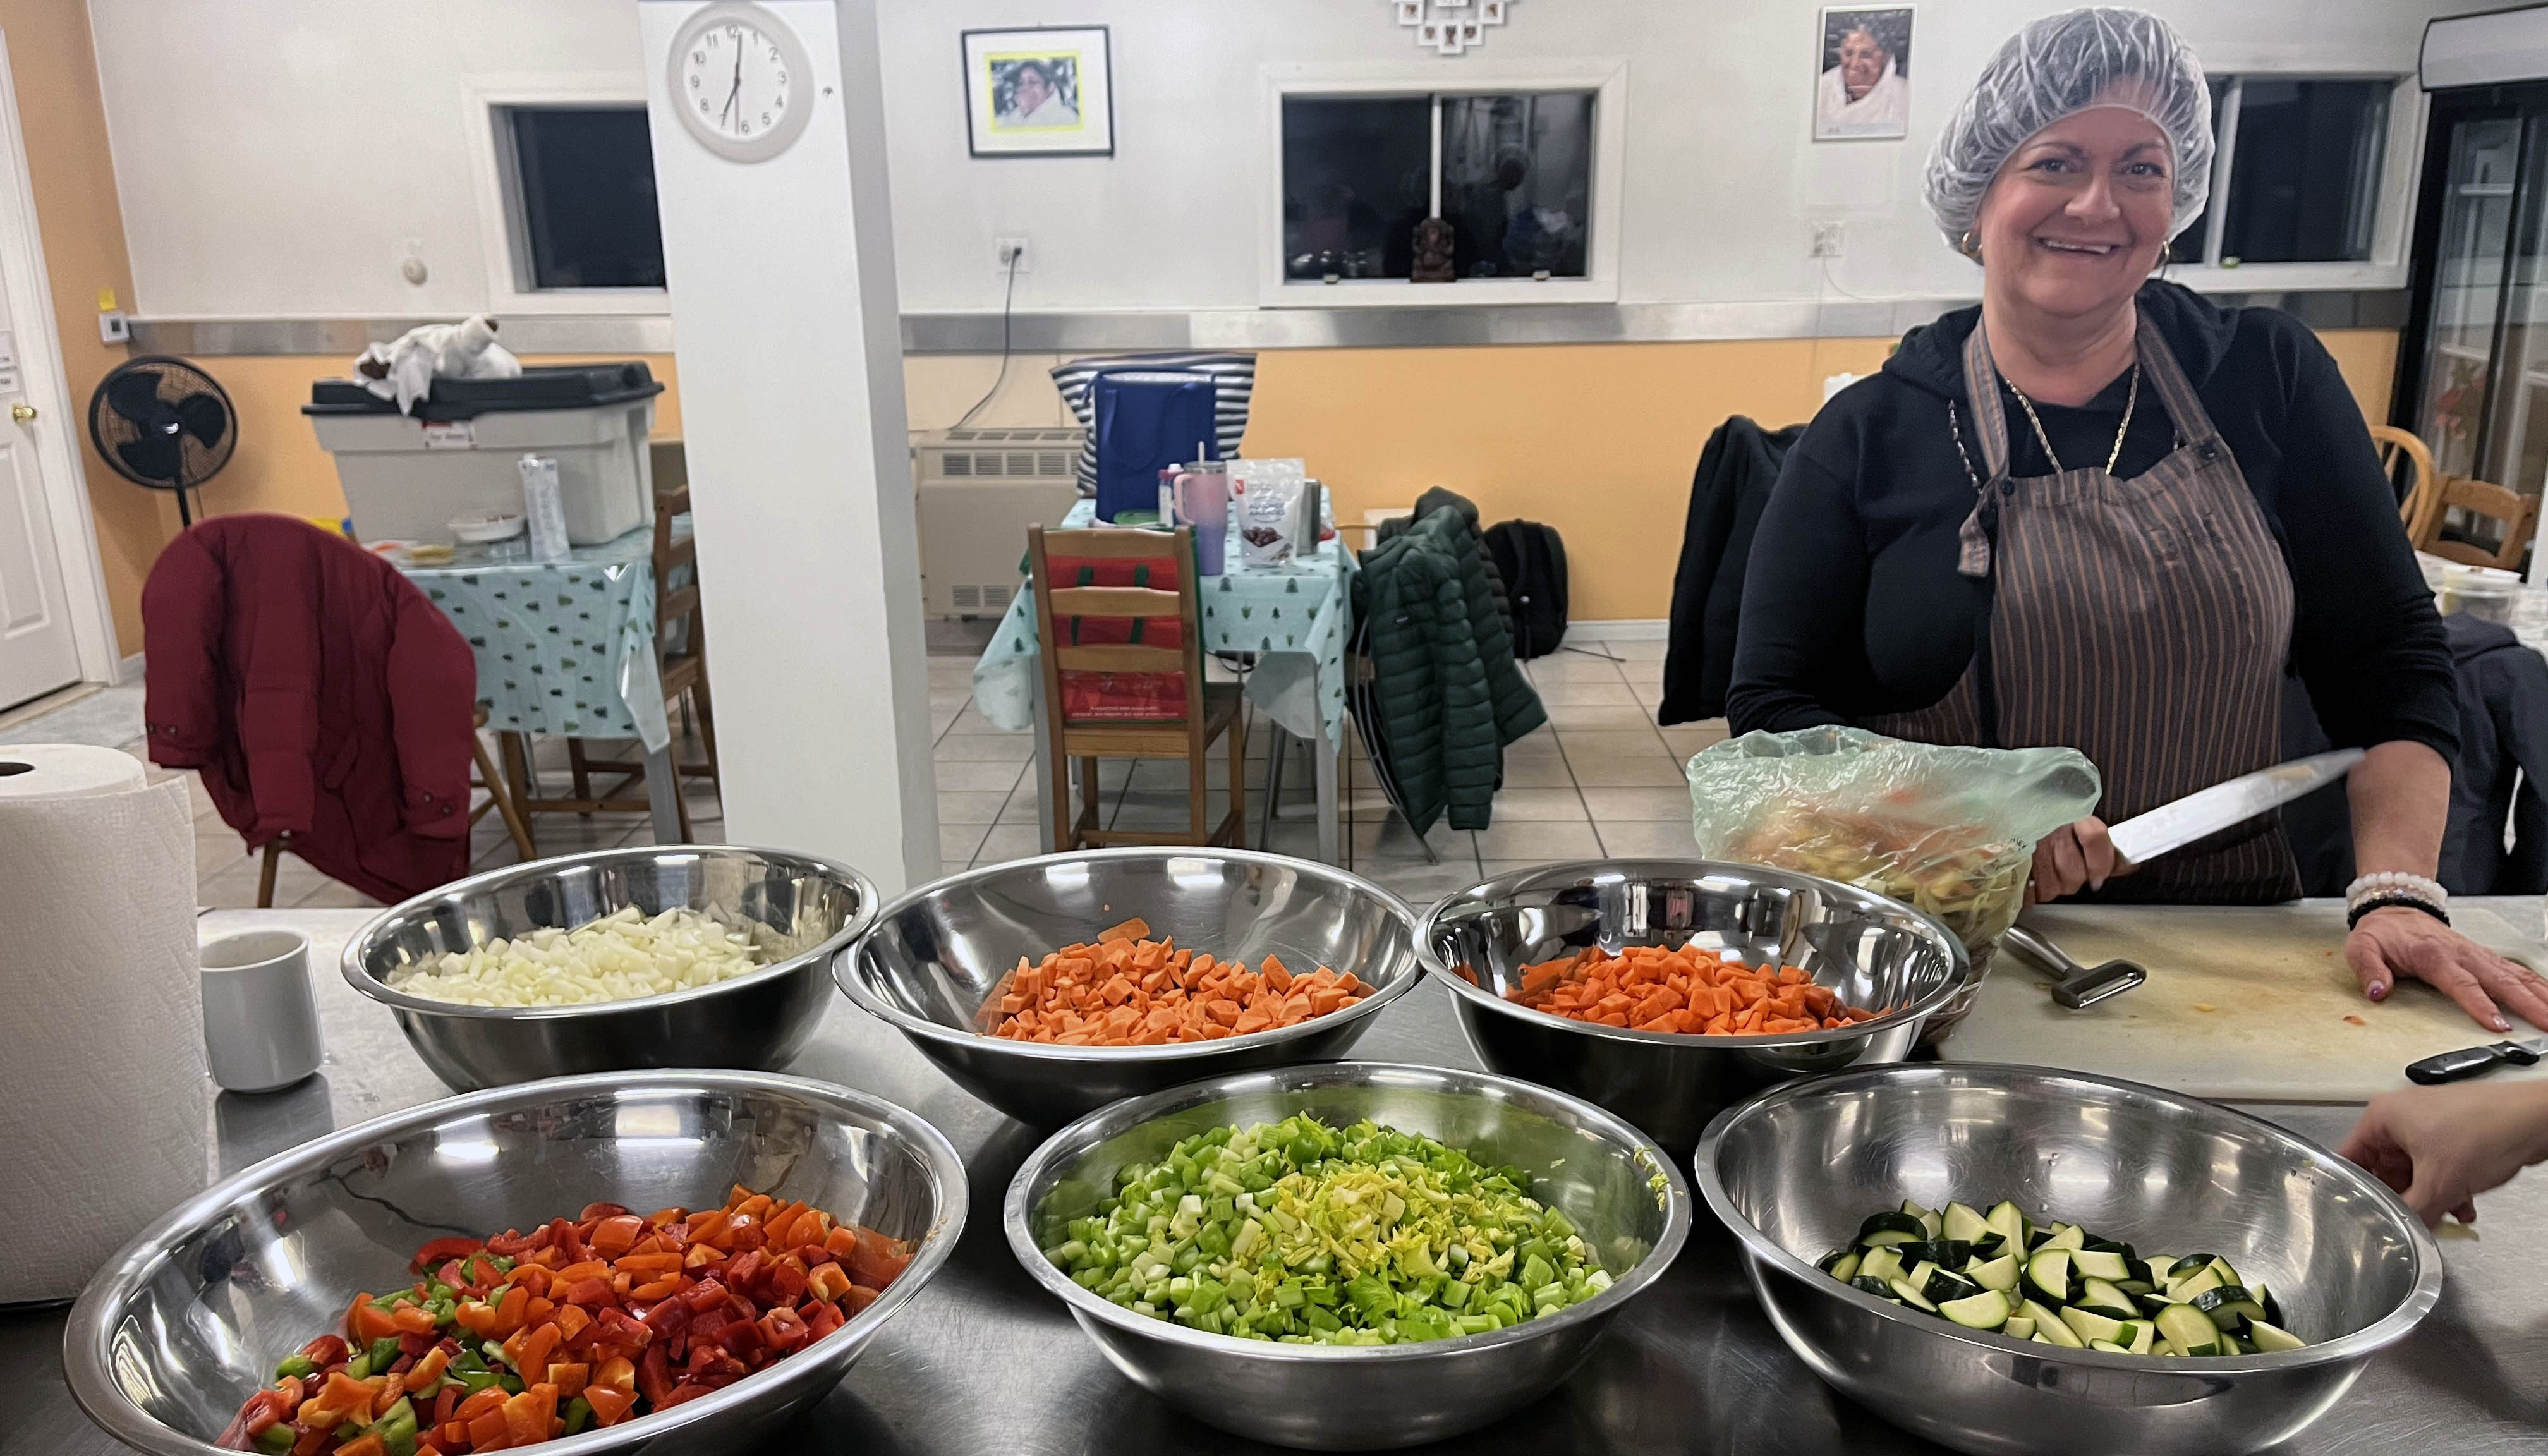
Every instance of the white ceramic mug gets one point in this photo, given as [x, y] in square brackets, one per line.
[261, 1022]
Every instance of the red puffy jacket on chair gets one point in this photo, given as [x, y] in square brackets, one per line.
[319, 693]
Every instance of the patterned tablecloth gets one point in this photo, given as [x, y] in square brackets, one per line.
[1296, 617]
[564, 647]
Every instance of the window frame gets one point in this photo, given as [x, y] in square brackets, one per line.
[2393, 204]
[503, 237]
[1607, 79]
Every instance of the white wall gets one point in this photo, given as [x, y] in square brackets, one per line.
[273, 158]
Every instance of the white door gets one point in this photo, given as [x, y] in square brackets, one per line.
[36, 653]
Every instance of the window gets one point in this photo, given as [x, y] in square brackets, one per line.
[1512, 172]
[2296, 177]
[581, 204]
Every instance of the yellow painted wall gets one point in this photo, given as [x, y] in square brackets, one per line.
[81, 231]
[1598, 440]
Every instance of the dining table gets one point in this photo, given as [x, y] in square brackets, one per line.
[1293, 619]
[984, 1360]
[564, 646]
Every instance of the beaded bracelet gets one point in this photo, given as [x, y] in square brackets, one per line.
[2353, 916]
[2396, 882]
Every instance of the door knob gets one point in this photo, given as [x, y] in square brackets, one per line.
[22, 413]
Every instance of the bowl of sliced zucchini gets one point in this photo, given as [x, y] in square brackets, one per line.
[1960, 1248]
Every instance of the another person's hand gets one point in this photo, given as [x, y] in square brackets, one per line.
[2441, 1147]
[2395, 943]
[2074, 856]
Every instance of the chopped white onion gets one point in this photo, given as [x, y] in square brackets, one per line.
[618, 958]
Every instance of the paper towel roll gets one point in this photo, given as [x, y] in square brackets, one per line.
[102, 1039]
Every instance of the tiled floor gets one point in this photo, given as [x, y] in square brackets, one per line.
[1601, 779]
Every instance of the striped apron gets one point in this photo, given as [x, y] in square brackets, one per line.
[2144, 622]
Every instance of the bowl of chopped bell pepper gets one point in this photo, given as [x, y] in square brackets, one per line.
[1347, 1256]
[656, 1260]
[1666, 990]
[1052, 986]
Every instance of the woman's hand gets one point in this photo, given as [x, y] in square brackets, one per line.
[2396, 943]
[2073, 855]
[2441, 1147]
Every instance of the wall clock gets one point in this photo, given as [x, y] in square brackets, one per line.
[741, 81]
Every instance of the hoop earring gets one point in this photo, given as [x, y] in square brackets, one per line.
[1969, 245]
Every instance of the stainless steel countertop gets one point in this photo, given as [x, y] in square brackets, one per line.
[986, 1363]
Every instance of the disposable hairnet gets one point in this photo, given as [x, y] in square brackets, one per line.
[2061, 65]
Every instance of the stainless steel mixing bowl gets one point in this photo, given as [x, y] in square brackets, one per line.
[179, 1328]
[1794, 1171]
[1626, 1196]
[936, 954]
[802, 909]
[1872, 952]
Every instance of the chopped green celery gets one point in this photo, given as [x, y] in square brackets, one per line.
[438, 1292]
[295, 1367]
[276, 1439]
[358, 1367]
[384, 1352]
[578, 1413]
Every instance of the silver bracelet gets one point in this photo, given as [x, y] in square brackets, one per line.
[2393, 884]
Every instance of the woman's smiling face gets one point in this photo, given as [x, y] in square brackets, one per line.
[2078, 216]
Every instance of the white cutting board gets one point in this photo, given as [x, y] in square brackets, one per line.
[2242, 1004]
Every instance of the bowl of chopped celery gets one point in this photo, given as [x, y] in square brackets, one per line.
[2046, 1260]
[945, 958]
[1880, 967]
[646, 956]
[1347, 1256]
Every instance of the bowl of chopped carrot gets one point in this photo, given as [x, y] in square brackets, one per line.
[1668, 990]
[1050, 987]
[656, 1260]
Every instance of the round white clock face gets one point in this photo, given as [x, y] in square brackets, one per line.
[741, 81]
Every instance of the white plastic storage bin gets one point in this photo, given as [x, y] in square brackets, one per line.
[407, 477]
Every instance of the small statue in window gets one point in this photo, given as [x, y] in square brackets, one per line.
[1432, 252]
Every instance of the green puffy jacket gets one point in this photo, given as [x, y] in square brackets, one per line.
[1450, 695]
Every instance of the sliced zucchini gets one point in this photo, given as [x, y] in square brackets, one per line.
[2230, 1307]
[2068, 1236]
[1907, 1293]
[2144, 1335]
[1843, 1266]
[2136, 1287]
[1945, 1253]
[2109, 1346]
[2000, 1273]
[1880, 1264]
[1883, 1231]
[2190, 1330]
[1919, 1271]
[2265, 1297]
[2140, 1271]
[2272, 1338]
[2200, 1281]
[1987, 1310]
[2050, 1329]
[2220, 1266]
[1943, 1286]
[2048, 1273]
[1881, 1287]
[2089, 1325]
[1960, 1222]
[2019, 1326]
[2009, 1223]
[2185, 1267]
[2100, 1264]
[1988, 1247]
[2100, 1298]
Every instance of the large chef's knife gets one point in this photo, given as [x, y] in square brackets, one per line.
[2180, 822]
[2450, 1066]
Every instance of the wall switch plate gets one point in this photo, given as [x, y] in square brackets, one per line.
[1005, 248]
[114, 327]
[1827, 239]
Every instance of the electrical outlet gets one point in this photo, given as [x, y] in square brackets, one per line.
[1003, 249]
[114, 327]
[1827, 239]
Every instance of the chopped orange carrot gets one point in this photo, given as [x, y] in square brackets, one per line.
[1130, 990]
[1686, 991]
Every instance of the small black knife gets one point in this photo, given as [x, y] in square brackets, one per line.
[2451, 1066]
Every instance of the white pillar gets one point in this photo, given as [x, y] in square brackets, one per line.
[788, 336]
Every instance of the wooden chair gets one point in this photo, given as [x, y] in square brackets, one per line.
[1211, 708]
[680, 660]
[2400, 449]
[486, 779]
[2518, 515]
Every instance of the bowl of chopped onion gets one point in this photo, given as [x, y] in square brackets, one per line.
[650, 957]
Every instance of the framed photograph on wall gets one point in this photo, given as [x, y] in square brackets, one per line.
[1048, 92]
[1862, 74]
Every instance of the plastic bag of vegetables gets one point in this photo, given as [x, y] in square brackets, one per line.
[1948, 831]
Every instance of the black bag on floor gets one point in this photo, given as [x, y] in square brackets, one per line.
[1532, 560]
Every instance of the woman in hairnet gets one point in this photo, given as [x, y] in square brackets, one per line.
[2101, 512]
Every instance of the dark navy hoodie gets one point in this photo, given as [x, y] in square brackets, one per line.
[1852, 606]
